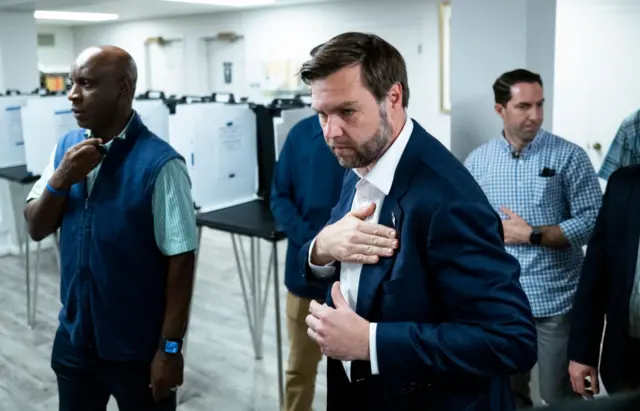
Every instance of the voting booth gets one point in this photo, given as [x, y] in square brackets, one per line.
[155, 115]
[44, 121]
[218, 141]
[283, 121]
[12, 151]
[274, 123]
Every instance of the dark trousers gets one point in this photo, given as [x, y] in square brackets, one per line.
[86, 383]
[342, 395]
[630, 379]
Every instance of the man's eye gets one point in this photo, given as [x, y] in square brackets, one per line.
[348, 112]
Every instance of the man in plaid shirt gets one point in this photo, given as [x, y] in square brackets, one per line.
[548, 194]
[625, 147]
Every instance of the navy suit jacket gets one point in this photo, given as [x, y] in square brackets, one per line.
[453, 321]
[607, 285]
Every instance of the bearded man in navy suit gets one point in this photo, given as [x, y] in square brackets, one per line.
[425, 311]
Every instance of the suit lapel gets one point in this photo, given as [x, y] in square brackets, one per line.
[391, 215]
[349, 187]
[373, 274]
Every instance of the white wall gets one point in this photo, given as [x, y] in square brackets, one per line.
[597, 70]
[19, 61]
[56, 58]
[541, 49]
[19, 51]
[490, 37]
[290, 33]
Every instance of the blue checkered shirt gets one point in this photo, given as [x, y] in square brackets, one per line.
[570, 198]
[625, 147]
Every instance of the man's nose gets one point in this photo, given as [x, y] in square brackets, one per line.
[536, 114]
[332, 129]
[73, 94]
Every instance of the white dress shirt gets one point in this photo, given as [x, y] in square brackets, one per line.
[373, 187]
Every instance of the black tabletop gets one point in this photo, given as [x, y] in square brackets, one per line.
[18, 174]
[252, 219]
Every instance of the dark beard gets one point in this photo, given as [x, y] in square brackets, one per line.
[373, 149]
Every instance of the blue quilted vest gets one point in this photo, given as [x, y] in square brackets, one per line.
[113, 274]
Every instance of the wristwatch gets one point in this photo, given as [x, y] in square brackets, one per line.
[171, 346]
[536, 236]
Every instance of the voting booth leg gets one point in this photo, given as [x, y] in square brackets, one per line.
[22, 235]
[181, 390]
[34, 296]
[25, 238]
[36, 281]
[254, 316]
[276, 287]
[255, 297]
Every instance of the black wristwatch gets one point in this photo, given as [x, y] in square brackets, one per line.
[536, 236]
[171, 346]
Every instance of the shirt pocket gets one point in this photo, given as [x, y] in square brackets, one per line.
[547, 191]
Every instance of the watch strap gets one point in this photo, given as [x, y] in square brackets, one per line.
[171, 345]
[536, 236]
[56, 193]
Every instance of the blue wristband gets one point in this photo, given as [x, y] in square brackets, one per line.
[57, 193]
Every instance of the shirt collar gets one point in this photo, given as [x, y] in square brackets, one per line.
[528, 148]
[122, 135]
[382, 173]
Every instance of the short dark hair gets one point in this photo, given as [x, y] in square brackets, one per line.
[315, 50]
[502, 86]
[382, 64]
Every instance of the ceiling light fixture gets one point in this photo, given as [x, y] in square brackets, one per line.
[73, 16]
[228, 3]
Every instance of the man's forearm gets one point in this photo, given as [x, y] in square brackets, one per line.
[178, 295]
[43, 215]
[553, 237]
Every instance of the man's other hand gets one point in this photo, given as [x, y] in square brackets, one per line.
[578, 373]
[340, 332]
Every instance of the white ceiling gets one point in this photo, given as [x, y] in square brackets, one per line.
[128, 9]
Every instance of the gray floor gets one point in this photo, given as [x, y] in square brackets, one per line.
[221, 372]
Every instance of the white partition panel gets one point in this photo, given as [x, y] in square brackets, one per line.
[285, 122]
[155, 115]
[220, 145]
[11, 136]
[44, 121]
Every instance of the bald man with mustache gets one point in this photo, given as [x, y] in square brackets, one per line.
[121, 198]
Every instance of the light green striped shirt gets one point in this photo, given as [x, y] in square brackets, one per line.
[172, 203]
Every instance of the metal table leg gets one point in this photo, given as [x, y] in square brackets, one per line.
[36, 278]
[238, 249]
[276, 286]
[27, 272]
[255, 297]
[22, 237]
[181, 394]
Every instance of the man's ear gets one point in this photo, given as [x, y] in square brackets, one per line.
[125, 88]
[395, 95]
